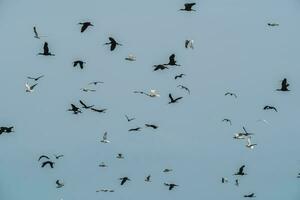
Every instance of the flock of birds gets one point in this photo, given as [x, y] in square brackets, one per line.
[47, 161]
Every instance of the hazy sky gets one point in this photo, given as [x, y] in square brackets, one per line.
[234, 51]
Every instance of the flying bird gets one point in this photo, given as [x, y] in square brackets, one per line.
[172, 100]
[124, 179]
[172, 61]
[99, 110]
[105, 190]
[50, 163]
[113, 43]
[188, 7]
[78, 62]
[179, 76]
[249, 144]
[273, 24]
[170, 185]
[224, 180]
[284, 85]
[36, 35]
[29, 88]
[189, 44]
[95, 82]
[252, 195]
[237, 182]
[46, 51]
[35, 79]
[135, 129]
[84, 105]
[104, 138]
[74, 109]
[129, 119]
[151, 126]
[88, 90]
[270, 108]
[152, 93]
[159, 67]
[147, 179]
[58, 156]
[43, 156]
[59, 184]
[85, 25]
[227, 120]
[131, 57]
[4, 129]
[120, 156]
[241, 171]
[102, 164]
[231, 94]
[184, 88]
[242, 135]
[167, 170]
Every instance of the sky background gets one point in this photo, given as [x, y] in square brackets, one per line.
[234, 51]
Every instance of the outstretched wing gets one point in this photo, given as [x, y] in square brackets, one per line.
[81, 102]
[105, 136]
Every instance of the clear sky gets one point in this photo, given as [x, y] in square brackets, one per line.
[234, 51]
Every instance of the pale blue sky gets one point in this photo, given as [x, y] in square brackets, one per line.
[235, 51]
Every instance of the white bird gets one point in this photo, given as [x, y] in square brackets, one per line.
[104, 138]
[153, 93]
[249, 144]
[189, 44]
[29, 88]
[131, 57]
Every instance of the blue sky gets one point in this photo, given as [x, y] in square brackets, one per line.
[234, 51]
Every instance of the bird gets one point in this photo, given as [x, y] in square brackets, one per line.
[88, 90]
[172, 61]
[298, 175]
[50, 163]
[4, 129]
[184, 88]
[29, 88]
[167, 170]
[252, 195]
[102, 164]
[241, 171]
[152, 93]
[74, 109]
[59, 184]
[237, 182]
[130, 57]
[120, 156]
[99, 110]
[188, 7]
[147, 179]
[264, 121]
[36, 35]
[43, 156]
[179, 76]
[224, 180]
[95, 82]
[84, 105]
[135, 129]
[85, 25]
[104, 138]
[189, 44]
[227, 120]
[78, 62]
[35, 79]
[58, 156]
[159, 67]
[284, 86]
[129, 119]
[124, 179]
[273, 24]
[231, 94]
[105, 190]
[113, 43]
[172, 100]
[242, 135]
[170, 185]
[249, 144]
[151, 126]
[270, 108]
[46, 50]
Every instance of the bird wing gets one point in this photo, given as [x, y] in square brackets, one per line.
[35, 32]
[172, 58]
[112, 40]
[178, 98]
[27, 86]
[81, 102]
[171, 98]
[43, 156]
[84, 27]
[74, 107]
[46, 48]
[39, 77]
[31, 87]
[241, 169]
[186, 43]
[249, 141]
[105, 136]
[113, 46]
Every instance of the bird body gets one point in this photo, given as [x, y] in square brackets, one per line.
[189, 44]
[131, 57]
[43, 156]
[160, 67]
[241, 171]
[273, 24]
[188, 7]
[124, 179]
[284, 86]
[231, 94]
[74, 109]
[151, 126]
[85, 25]
[99, 110]
[46, 50]
[172, 61]
[113, 43]
[147, 179]
[35, 79]
[249, 144]
[170, 185]
[104, 138]
[78, 62]
[252, 195]
[184, 88]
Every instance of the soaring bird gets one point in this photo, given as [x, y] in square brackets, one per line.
[224, 180]
[58, 156]
[147, 179]
[131, 57]
[35, 79]
[167, 170]
[152, 93]
[179, 76]
[284, 85]
[99, 110]
[78, 62]
[129, 119]
[43, 156]
[74, 109]
[151, 126]
[29, 88]
[170, 185]
[242, 135]
[172, 61]
[270, 108]
[241, 171]
[252, 195]
[88, 90]
[124, 179]
[59, 184]
[105, 190]
[102, 164]
[36, 35]
[104, 138]
[172, 100]
[4, 129]
[135, 129]
[113, 43]
[46, 50]
[189, 44]
[227, 120]
[120, 156]
[249, 144]
[184, 88]
[85, 25]
[159, 67]
[95, 82]
[273, 24]
[231, 94]
[48, 162]
[84, 105]
[188, 7]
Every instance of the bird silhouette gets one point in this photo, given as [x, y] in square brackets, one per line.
[171, 185]
[241, 171]
[252, 195]
[184, 88]
[120, 156]
[130, 57]
[84, 105]
[242, 135]
[99, 110]
[104, 138]
[36, 35]
[227, 120]
[237, 182]
[58, 156]
[46, 50]
[35, 79]
[135, 129]
[172, 61]
[113, 43]
[151, 126]
[179, 76]
[124, 179]
[95, 82]
[74, 109]
[88, 90]
[48, 162]
[167, 170]
[284, 86]
[224, 180]
[231, 94]
[129, 119]
[273, 24]
[173, 100]
[270, 108]
[4, 129]
[30, 88]
[85, 25]
[43, 156]
[152, 93]
[159, 67]
[78, 62]
[189, 44]
[105, 190]
[147, 179]
[59, 184]
[102, 164]
[249, 143]
[188, 7]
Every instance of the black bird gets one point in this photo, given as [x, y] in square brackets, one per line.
[270, 108]
[298, 175]
[113, 43]
[179, 76]
[151, 126]
[124, 179]
[185, 88]
[284, 85]
[188, 7]
[35, 79]
[273, 24]
[135, 129]
[95, 82]
[84, 105]
[4, 129]
[147, 179]
[36, 35]
[46, 50]
[78, 62]
[43, 156]
[172, 100]
[99, 110]
[241, 171]
[85, 25]
[227, 120]
[170, 185]
[129, 119]
[237, 182]
[48, 163]
[74, 109]
[252, 195]
[224, 180]
[159, 67]
[172, 61]
[58, 156]
[231, 94]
